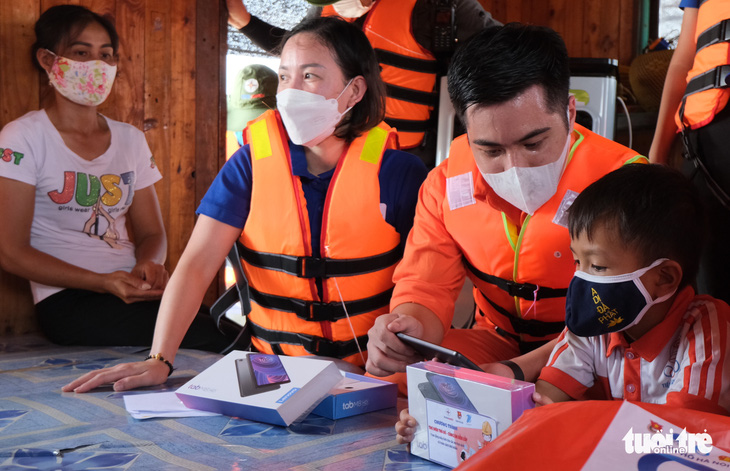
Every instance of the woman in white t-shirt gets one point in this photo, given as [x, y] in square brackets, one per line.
[70, 180]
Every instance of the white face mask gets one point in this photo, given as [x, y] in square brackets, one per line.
[308, 118]
[86, 83]
[351, 8]
[528, 188]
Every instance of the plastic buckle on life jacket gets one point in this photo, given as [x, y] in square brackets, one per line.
[318, 347]
[724, 31]
[723, 74]
[521, 290]
[311, 267]
[318, 311]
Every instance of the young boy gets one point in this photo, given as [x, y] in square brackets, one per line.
[636, 330]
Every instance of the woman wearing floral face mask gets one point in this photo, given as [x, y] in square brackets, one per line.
[321, 203]
[69, 180]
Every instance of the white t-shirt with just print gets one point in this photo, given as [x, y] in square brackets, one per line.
[80, 205]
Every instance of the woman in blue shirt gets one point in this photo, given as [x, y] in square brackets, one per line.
[330, 99]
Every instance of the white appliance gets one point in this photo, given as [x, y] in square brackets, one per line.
[594, 82]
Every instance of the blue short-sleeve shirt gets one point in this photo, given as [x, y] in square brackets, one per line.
[228, 199]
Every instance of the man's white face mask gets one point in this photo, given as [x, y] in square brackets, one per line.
[528, 188]
[350, 8]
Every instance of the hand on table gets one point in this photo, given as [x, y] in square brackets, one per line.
[125, 376]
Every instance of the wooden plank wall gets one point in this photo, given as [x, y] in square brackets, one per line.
[169, 84]
[591, 28]
[170, 81]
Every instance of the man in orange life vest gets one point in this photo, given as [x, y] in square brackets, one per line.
[496, 210]
[413, 40]
[694, 101]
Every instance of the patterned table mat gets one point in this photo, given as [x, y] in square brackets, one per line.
[42, 428]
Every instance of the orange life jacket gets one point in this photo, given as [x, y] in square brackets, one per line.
[706, 94]
[510, 266]
[408, 70]
[360, 250]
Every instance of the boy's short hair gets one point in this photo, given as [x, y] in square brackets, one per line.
[654, 210]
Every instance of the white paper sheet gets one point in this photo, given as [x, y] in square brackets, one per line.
[164, 404]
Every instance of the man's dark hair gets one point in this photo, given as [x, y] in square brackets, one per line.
[502, 62]
[652, 209]
[58, 26]
[355, 56]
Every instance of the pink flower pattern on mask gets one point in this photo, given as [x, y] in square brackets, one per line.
[86, 83]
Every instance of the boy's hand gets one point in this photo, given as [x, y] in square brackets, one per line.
[545, 393]
[541, 399]
[405, 428]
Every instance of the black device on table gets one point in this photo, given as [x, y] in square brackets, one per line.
[431, 350]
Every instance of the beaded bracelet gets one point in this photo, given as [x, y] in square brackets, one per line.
[158, 356]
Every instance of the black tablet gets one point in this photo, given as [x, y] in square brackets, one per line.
[431, 350]
[246, 379]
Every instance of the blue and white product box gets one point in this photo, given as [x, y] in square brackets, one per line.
[459, 410]
[266, 388]
[357, 394]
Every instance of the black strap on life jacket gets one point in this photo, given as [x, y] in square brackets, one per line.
[411, 125]
[316, 267]
[312, 344]
[713, 78]
[531, 327]
[426, 66]
[528, 291]
[318, 311]
[412, 96]
[717, 33]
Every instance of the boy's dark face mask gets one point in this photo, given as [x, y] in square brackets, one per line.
[597, 305]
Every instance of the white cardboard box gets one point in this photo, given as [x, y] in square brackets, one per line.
[229, 387]
[459, 410]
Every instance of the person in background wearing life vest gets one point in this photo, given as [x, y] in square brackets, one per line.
[694, 102]
[496, 210]
[413, 40]
[319, 183]
[254, 91]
